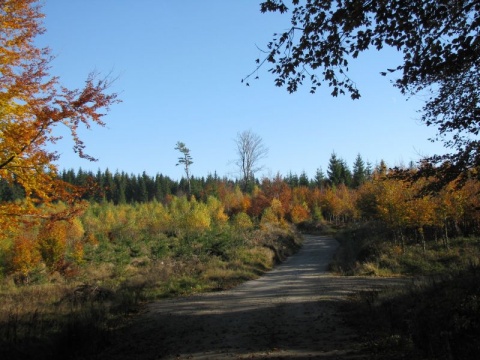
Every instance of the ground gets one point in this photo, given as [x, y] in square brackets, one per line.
[291, 312]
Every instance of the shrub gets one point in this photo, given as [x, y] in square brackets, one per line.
[25, 256]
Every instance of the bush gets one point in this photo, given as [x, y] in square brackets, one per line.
[432, 319]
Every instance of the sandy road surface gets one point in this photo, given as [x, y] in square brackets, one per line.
[289, 313]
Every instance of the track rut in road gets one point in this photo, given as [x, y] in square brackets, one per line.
[289, 313]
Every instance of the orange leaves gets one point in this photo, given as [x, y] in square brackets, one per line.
[25, 255]
[259, 203]
[32, 103]
[59, 241]
[299, 213]
[52, 243]
[234, 200]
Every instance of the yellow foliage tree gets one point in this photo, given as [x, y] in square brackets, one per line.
[198, 218]
[189, 217]
[393, 207]
[52, 243]
[32, 104]
[269, 217]
[157, 217]
[332, 205]
[242, 222]
[277, 208]
[25, 256]
[217, 212]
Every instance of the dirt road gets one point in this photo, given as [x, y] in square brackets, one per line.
[290, 313]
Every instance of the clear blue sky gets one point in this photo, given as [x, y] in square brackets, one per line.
[178, 66]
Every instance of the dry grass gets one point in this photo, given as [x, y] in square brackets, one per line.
[436, 318]
[66, 317]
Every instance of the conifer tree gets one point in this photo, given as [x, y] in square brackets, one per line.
[320, 178]
[359, 172]
[185, 160]
[338, 171]
[303, 179]
[334, 170]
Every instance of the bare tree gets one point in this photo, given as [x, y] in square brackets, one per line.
[185, 160]
[250, 150]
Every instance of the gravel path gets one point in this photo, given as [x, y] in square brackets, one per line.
[289, 313]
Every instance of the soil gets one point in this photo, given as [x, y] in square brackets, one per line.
[291, 312]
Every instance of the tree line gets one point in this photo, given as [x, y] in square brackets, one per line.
[34, 101]
[123, 188]
[394, 209]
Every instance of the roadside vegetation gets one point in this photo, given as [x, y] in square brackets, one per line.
[65, 292]
[436, 315]
[67, 284]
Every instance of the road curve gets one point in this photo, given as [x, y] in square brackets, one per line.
[289, 313]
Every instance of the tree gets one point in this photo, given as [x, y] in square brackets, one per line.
[381, 170]
[334, 170]
[303, 179]
[359, 172]
[438, 40]
[394, 207]
[292, 179]
[250, 150]
[186, 161]
[32, 104]
[338, 172]
[320, 178]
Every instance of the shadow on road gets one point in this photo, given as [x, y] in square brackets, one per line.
[291, 312]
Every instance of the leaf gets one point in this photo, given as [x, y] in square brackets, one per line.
[26, 158]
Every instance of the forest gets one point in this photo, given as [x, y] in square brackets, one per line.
[82, 252]
[379, 198]
[137, 238]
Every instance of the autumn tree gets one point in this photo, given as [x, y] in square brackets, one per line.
[422, 210]
[331, 205]
[186, 160]
[250, 151]
[439, 44]
[25, 256]
[32, 105]
[367, 200]
[394, 207]
[259, 202]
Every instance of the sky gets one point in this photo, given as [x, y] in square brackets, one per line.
[178, 67]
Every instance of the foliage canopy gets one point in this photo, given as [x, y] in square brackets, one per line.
[438, 40]
[32, 104]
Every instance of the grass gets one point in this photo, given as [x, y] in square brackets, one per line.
[436, 317]
[64, 317]
[52, 318]
[429, 319]
[367, 251]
